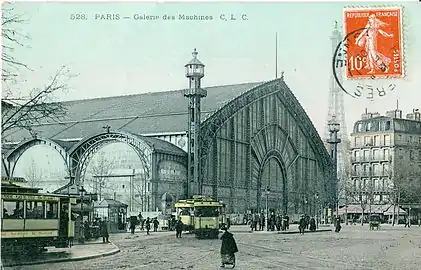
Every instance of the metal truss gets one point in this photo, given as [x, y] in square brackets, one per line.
[211, 125]
[81, 153]
[13, 156]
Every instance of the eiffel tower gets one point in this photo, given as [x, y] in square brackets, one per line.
[337, 112]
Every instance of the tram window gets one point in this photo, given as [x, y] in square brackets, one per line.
[52, 210]
[35, 210]
[12, 209]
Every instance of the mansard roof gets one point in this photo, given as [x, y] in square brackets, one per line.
[146, 113]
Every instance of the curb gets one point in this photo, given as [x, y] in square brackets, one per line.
[108, 253]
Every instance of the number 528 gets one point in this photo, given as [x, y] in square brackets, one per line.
[78, 16]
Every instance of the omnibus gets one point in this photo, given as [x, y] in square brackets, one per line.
[184, 210]
[32, 221]
[208, 216]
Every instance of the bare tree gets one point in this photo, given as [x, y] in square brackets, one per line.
[100, 168]
[33, 176]
[19, 110]
[404, 186]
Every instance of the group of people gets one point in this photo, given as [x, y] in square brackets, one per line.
[174, 224]
[275, 221]
[144, 224]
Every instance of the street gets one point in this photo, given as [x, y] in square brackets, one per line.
[355, 247]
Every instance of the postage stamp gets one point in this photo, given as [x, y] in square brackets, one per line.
[376, 50]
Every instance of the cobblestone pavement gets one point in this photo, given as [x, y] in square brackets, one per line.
[355, 247]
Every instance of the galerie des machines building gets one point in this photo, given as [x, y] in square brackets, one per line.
[255, 142]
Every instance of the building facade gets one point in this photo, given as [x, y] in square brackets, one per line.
[253, 136]
[386, 158]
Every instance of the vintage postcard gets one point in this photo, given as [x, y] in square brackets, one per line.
[205, 135]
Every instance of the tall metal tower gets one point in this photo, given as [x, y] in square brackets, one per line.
[195, 71]
[337, 112]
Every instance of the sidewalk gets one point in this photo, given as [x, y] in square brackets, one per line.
[89, 250]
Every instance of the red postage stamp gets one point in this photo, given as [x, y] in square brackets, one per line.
[374, 49]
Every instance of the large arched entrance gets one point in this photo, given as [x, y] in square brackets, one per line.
[272, 176]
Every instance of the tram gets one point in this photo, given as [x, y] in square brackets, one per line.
[32, 221]
[184, 211]
[209, 216]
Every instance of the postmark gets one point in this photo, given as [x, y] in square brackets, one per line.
[370, 64]
[377, 50]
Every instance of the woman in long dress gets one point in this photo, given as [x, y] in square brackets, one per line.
[228, 248]
[368, 37]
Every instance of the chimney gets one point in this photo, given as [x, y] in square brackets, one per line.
[368, 115]
[394, 114]
[417, 114]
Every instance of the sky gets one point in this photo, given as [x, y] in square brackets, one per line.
[130, 56]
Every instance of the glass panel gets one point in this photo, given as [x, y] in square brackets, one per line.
[35, 210]
[12, 209]
[52, 210]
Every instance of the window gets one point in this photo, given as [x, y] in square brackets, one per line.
[377, 140]
[387, 127]
[34, 210]
[52, 210]
[367, 140]
[386, 140]
[376, 154]
[12, 209]
[358, 141]
[366, 155]
[410, 139]
[357, 155]
[385, 169]
[386, 154]
[360, 127]
[411, 155]
[368, 127]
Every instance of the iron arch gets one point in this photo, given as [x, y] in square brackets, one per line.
[277, 87]
[13, 156]
[82, 152]
[275, 154]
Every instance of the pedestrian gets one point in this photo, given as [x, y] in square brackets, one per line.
[155, 224]
[148, 225]
[228, 248]
[338, 225]
[312, 224]
[178, 228]
[302, 225]
[104, 231]
[133, 221]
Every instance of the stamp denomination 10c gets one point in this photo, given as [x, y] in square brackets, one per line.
[377, 50]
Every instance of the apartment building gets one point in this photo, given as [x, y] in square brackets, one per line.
[381, 146]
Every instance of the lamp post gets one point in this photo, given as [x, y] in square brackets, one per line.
[316, 197]
[333, 140]
[82, 233]
[267, 190]
[195, 71]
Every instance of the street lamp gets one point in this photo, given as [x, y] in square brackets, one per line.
[82, 233]
[195, 71]
[333, 140]
[316, 197]
[267, 207]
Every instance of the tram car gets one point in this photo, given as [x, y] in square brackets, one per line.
[208, 215]
[31, 221]
[184, 211]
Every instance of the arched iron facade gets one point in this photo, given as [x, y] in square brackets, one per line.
[237, 141]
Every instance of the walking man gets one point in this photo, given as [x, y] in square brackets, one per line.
[148, 225]
[178, 228]
[104, 231]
